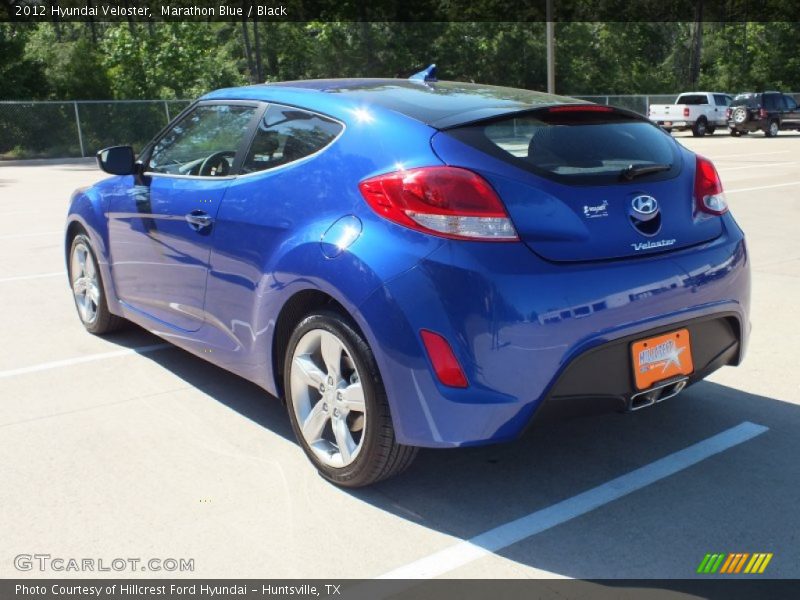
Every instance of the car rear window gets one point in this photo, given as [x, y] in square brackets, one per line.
[745, 100]
[692, 99]
[575, 146]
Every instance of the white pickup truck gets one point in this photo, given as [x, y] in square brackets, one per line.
[702, 112]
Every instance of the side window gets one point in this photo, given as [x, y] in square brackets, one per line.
[722, 100]
[770, 102]
[789, 103]
[204, 142]
[286, 134]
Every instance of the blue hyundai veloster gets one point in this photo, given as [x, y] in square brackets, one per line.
[417, 263]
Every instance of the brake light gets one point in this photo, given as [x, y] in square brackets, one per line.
[762, 113]
[685, 111]
[708, 195]
[446, 201]
[445, 364]
[580, 108]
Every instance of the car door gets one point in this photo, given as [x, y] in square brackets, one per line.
[282, 195]
[721, 104]
[773, 104]
[791, 115]
[160, 232]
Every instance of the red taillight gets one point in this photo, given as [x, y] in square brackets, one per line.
[580, 108]
[445, 364]
[445, 201]
[762, 113]
[708, 194]
[685, 111]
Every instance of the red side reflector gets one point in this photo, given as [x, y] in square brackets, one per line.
[580, 108]
[445, 364]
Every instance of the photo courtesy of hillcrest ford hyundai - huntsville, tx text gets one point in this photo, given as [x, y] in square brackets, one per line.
[416, 263]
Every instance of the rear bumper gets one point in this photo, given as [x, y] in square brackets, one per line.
[519, 326]
[750, 126]
[674, 124]
[600, 379]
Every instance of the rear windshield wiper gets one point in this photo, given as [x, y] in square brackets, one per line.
[632, 171]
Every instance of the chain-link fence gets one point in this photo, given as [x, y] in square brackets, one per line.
[72, 129]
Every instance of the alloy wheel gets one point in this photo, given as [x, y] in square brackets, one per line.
[327, 398]
[773, 128]
[85, 284]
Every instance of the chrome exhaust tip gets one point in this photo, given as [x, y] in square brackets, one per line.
[665, 391]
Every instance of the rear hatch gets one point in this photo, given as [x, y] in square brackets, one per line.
[584, 183]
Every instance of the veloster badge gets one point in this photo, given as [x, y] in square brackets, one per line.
[651, 245]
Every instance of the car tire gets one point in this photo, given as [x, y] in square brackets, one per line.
[772, 129]
[699, 128]
[735, 132]
[710, 130]
[87, 288]
[336, 400]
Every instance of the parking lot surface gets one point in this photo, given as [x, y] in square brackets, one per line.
[119, 447]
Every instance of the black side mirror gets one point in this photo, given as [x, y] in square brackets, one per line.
[117, 160]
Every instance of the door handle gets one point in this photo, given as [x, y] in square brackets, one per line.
[198, 219]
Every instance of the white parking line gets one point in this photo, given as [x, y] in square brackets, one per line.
[763, 187]
[515, 531]
[756, 166]
[19, 212]
[751, 154]
[24, 235]
[56, 364]
[39, 276]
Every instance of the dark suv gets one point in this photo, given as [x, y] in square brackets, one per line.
[768, 111]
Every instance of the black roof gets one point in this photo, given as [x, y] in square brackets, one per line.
[440, 104]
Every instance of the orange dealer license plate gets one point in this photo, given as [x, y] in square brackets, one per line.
[661, 357]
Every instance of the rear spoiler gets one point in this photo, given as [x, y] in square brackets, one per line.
[495, 112]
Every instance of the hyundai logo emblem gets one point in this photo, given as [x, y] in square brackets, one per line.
[645, 205]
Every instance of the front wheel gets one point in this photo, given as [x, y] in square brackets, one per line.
[337, 403]
[87, 288]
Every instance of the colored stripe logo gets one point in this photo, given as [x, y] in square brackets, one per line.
[734, 563]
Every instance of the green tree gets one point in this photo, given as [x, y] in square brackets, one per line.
[21, 77]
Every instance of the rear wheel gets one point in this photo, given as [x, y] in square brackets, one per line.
[735, 132]
[772, 129]
[87, 288]
[337, 403]
[699, 127]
